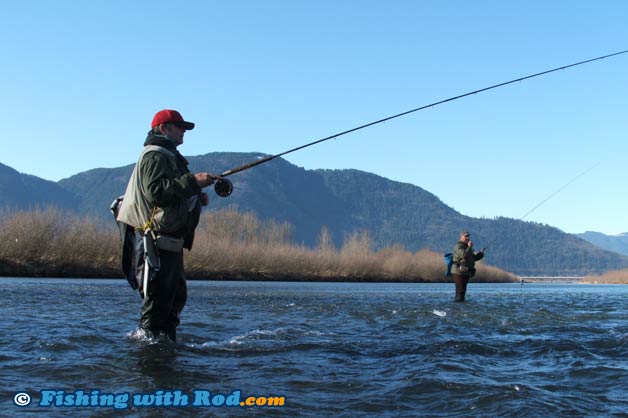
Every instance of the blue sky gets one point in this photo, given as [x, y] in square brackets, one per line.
[81, 80]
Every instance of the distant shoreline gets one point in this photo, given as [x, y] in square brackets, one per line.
[248, 279]
[556, 280]
[229, 246]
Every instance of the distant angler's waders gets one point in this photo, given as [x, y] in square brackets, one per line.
[461, 281]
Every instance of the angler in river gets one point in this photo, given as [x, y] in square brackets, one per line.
[157, 217]
[463, 268]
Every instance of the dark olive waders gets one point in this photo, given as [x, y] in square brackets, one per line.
[461, 282]
[167, 293]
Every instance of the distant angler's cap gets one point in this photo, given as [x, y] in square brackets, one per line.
[170, 116]
[464, 233]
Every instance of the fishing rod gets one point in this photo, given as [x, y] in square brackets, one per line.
[559, 190]
[224, 187]
[449, 257]
[564, 186]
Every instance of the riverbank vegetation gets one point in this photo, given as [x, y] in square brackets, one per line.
[611, 277]
[229, 245]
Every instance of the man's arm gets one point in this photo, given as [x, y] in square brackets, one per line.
[160, 185]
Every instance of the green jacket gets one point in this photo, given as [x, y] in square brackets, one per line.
[464, 259]
[162, 191]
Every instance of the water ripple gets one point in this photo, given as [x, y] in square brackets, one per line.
[347, 350]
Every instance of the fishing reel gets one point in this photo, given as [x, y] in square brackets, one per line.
[223, 187]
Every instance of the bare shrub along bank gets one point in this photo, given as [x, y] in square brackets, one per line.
[611, 277]
[54, 243]
[228, 245]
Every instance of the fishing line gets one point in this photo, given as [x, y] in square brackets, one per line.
[549, 197]
[224, 187]
[559, 190]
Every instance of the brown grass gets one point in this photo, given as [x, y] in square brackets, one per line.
[228, 245]
[611, 277]
[52, 243]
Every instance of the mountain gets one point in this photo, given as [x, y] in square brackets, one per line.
[23, 191]
[616, 243]
[350, 200]
[343, 200]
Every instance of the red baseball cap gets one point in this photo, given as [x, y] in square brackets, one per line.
[170, 116]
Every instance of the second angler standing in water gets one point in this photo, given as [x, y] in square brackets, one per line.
[464, 259]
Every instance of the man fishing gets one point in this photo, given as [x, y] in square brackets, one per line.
[463, 268]
[161, 206]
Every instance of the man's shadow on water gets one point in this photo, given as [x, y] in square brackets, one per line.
[159, 368]
[160, 364]
[157, 361]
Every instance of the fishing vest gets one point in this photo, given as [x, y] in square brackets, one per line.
[461, 264]
[138, 212]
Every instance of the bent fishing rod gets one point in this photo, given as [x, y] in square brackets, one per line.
[224, 187]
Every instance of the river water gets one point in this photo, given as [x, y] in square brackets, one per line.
[71, 348]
